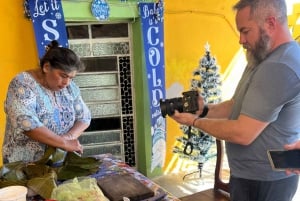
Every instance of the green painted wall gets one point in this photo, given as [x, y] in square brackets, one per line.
[81, 11]
[143, 126]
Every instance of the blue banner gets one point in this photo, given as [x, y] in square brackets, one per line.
[153, 39]
[49, 24]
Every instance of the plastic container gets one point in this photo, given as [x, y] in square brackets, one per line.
[13, 193]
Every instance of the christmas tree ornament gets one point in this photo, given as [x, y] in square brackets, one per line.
[159, 9]
[100, 9]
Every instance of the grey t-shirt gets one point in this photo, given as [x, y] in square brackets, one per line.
[270, 93]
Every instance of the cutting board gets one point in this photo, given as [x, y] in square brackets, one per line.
[116, 187]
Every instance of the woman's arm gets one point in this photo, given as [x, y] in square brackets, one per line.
[45, 136]
[76, 130]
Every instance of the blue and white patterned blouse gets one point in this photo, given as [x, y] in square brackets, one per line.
[28, 106]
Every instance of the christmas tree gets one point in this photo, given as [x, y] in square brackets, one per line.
[195, 144]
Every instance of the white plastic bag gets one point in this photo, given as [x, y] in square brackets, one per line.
[79, 189]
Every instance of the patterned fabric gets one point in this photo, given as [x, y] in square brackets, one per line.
[28, 106]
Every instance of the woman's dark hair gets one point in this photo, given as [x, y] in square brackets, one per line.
[61, 58]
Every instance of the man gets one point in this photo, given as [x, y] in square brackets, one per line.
[264, 112]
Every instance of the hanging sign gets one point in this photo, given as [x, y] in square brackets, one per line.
[49, 24]
[153, 40]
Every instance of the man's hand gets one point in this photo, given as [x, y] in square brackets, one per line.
[295, 145]
[184, 118]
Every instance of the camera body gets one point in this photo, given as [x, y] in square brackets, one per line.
[187, 103]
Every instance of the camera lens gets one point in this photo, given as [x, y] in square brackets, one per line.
[175, 104]
[163, 108]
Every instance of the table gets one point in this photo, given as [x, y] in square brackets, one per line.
[111, 166]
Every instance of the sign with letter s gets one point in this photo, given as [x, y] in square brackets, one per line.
[49, 24]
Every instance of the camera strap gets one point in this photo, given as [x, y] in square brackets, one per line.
[188, 148]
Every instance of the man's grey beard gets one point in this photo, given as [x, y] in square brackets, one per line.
[252, 62]
[260, 51]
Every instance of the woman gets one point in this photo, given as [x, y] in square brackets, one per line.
[44, 108]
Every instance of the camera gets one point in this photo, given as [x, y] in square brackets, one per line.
[187, 103]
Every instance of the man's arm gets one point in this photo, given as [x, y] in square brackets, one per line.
[242, 131]
[220, 110]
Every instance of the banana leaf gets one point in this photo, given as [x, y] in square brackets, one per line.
[36, 170]
[39, 178]
[69, 172]
[43, 185]
[47, 155]
[13, 171]
[73, 159]
[5, 183]
[76, 166]
[53, 157]
[42, 177]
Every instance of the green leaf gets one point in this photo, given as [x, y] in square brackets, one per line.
[43, 185]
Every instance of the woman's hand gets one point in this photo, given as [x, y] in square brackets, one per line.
[73, 145]
[45, 136]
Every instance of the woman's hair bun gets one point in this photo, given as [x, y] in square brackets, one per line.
[53, 44]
